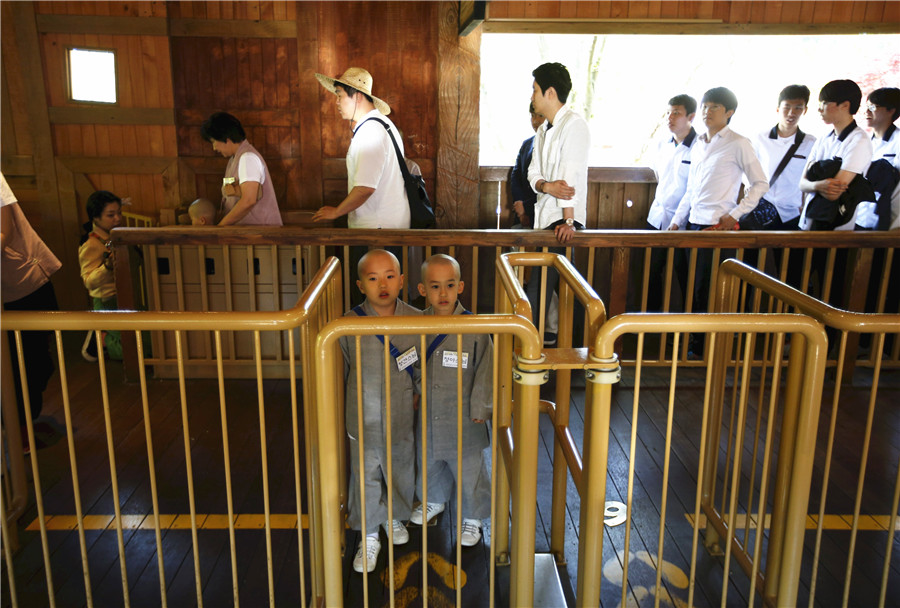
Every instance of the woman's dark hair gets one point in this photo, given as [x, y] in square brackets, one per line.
[222, 126]
[96, 203]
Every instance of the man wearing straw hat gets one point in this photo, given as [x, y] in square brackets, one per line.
[376, 196]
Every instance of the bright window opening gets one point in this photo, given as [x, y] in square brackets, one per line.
[92, 75]
[621, 83]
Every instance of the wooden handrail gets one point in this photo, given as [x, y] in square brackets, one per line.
[294, 235]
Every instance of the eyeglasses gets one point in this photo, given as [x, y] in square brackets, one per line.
[872, 107]
[712, 107]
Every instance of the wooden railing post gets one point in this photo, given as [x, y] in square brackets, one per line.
[126, 300]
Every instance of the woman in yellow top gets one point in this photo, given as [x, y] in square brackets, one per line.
[97, 260]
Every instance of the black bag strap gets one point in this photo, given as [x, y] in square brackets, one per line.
[798, 139]
[403, 168]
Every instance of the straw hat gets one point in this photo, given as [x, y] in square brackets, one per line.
[360, 80]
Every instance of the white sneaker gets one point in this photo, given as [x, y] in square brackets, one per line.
[401, 536]
[471, 532]
[373, 547]
[434, 509]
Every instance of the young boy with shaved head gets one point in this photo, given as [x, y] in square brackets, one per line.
[380, 280]
[441, 286]
[202, 212]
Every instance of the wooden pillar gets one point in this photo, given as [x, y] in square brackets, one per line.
[459, 74]
[310, 169]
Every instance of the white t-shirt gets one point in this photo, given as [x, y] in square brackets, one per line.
[250, 169]
[372, 163]
[886, 149]
[855, 152]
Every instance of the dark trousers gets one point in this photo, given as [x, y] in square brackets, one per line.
[533, 291]
[39, 365]
[702, 277]
[657, 281]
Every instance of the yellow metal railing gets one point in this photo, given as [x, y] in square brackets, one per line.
[589, 467]
[319, 304]
[879, 328]
[518, 437]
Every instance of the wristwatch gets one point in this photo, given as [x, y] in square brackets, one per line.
[570, 222]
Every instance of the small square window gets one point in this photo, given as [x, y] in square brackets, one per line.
[92, 75]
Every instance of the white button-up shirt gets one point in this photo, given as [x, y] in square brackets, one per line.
[715, 180]
[672, 166]
[855, 152]
[784, 193]
[886, 148]
[560, 152]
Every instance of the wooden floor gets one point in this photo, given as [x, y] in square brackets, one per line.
[244, 440]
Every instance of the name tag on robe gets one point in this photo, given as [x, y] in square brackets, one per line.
[407, 359]
[450, 359]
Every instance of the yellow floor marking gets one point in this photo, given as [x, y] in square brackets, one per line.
[288, 521]
[172, 521]
[165, 522]
[131, 522]
[878, 523]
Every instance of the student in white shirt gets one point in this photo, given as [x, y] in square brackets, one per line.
[672, 164]
[838, 101]
[882, 111]
[772, 147]
[719, 161]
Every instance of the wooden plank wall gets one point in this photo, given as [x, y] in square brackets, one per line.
[177, 63]
[742, 12]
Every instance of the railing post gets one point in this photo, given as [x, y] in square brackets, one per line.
[593, 498]
[857, 289]
[561, 419]
[524, 484]
[781, 489]
[126, 301]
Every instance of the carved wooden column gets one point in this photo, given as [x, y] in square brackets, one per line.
[459, 74]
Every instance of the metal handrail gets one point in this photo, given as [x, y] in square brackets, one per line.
[525, 431]
[733, 271]
[129, 320]
[307, 314]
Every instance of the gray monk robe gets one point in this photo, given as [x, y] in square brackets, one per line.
[477, 402]
[403, 384]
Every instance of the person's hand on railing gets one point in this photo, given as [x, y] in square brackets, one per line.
[326, 213]
[726, 222]
[564, 233]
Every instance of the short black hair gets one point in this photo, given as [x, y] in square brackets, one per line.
[222, 126]
[840, 91]
[794, 91]
[887, 97]
[722, 96]
[350, 91]
[98, 201]
[688, 102]
[553, 75]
